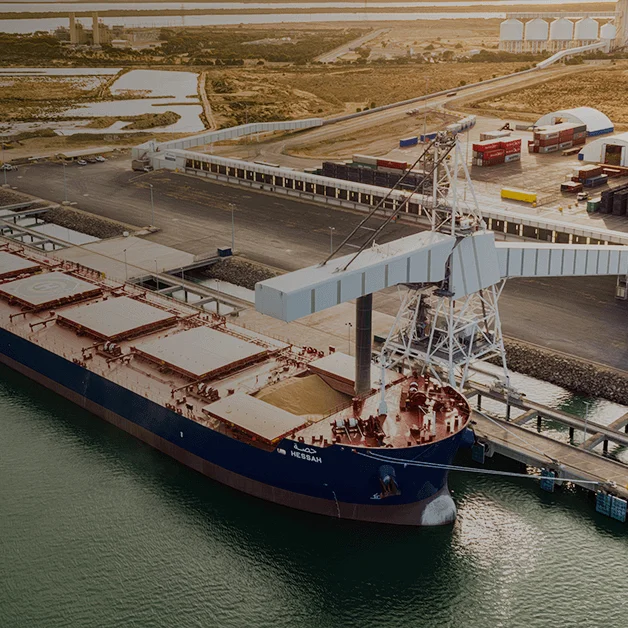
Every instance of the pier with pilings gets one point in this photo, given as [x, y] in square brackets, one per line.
[564, 461]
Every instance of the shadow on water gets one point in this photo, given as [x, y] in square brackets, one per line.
[249, 562]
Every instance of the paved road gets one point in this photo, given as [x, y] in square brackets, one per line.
[331, 56]
[277, 150]
[577, 315]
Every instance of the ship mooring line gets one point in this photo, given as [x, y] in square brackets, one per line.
[451, 467]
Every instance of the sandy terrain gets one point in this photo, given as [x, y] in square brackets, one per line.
[603, 87]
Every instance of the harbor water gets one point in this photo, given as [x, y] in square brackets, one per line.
[99, 530]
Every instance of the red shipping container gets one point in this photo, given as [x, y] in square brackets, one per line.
[484, 147]
[513, 151]
[580, 141]
[553, 142]
[510, 144]
[386, 163]
[564, 136]
[493, 154]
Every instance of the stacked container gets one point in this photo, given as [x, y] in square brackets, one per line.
[494, 135]
[550, 139]
[493, 152]
[372, 174]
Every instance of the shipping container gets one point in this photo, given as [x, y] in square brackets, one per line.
[518, 195]
[493, 135]
[428, 137]
[596, 181]
[564, 145]
[571, 186]
[482, 147]
[391, 163]
[548, 149]
[555, 141]
[512, 157]
[619, 203]
[593, 205]
[588, 172]
[408, 141]
[365, 159]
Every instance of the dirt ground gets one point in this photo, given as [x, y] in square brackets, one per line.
[603, 87]
[261, 94]
[379, 141]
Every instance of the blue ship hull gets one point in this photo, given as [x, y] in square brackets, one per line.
[333, 480]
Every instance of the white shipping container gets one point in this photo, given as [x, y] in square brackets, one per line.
[493, 135]
[548, 149]
[365, 159]
[513, 157]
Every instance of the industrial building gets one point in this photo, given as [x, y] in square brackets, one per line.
[79, 36]
[608, 150]
[597, 123]
[554, 31]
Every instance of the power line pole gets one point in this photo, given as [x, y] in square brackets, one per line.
[152, 206]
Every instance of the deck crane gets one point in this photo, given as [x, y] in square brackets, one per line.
[453, 276]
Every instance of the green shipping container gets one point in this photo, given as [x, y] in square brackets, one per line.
[593, 205]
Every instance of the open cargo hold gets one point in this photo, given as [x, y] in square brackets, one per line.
[518, 195]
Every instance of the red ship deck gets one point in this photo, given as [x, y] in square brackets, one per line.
[205, 367]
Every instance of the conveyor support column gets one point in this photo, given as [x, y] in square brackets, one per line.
[363, 344]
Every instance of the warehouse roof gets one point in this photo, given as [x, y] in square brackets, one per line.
[596, 121]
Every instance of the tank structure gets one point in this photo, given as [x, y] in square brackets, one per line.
[511, 35]
[536, 35]
[555, 31]
[560, 34]
[586, 31]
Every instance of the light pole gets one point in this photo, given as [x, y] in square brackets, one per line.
[349, 326]
[152, 206]
[65, 185]
[4, 166]
[232, 206]
[331, 240]
[126, 270]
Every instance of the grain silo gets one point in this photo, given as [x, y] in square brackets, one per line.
[560, 34]
[511, 35]
[608, 32]
[536, 35]
[586, 31]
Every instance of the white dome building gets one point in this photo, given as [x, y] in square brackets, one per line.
[597, 123]
[607, 150]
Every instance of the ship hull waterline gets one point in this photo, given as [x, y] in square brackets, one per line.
[410, 508]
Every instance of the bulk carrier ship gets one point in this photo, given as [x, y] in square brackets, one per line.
[273, 420]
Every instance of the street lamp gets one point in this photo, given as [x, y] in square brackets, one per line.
[349, 326]
[331, 240]
[4, 166]
[65, 185]
[126, 270]
[232, 206]
[152, 206]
